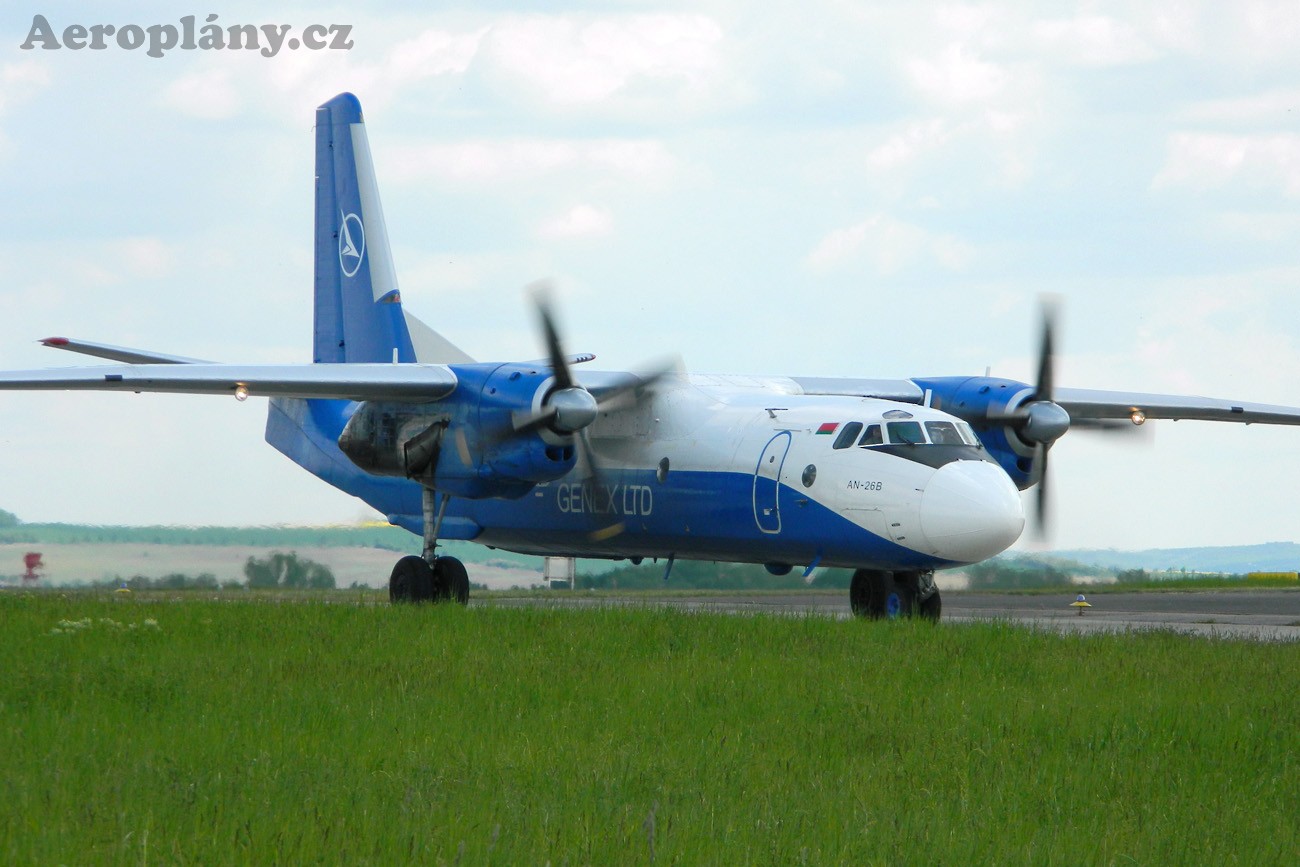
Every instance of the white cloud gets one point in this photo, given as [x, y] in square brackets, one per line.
[1272, 27]
[433, 52]
[145, 257]
[890, 245]
[1274, 108]
[957, 75]
[1093, 40]
[224, 85]
[495, 161]
[1211, 160]
[572, 63]
[211, 94]
[20, 81]
[580, 221]
[905, 145]
[1261, 226]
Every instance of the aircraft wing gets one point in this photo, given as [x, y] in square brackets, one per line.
[411, 383]
[903, 390]
[118, 353]
[1083, 403]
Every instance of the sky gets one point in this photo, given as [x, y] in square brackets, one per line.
[820, 189]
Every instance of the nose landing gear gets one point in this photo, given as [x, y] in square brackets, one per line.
[879, 594]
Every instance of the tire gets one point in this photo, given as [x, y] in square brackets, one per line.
[860, 592]
[932, 607]
[875, 594]
[410, 581]
[450, 581]
[907, 584]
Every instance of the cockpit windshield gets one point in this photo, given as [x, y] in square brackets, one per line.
[943, 433]
[905, 432]
[900, 434]
[939, 433]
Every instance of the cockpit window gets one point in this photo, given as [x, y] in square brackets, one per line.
[968, 434]
[848, 434]
[943, 433]
[872, 436]
[906, 432]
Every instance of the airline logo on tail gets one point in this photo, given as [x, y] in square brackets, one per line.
[351, 253]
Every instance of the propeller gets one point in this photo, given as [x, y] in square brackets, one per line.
[569, 408]
[1038, 420]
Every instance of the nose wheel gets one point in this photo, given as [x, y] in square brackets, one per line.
[878, 594]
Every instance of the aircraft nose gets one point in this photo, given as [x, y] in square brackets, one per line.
[970, 510]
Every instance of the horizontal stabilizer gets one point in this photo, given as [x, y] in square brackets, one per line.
[408, 383]
[118, 353]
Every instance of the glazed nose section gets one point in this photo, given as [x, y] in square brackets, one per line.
[970, 511]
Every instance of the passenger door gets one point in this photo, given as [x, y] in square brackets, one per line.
[767, 483]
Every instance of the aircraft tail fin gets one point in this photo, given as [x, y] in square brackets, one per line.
[358, 314]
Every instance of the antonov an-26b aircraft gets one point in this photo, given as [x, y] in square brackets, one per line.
[891, 478]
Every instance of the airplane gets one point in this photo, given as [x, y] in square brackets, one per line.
[891, 478]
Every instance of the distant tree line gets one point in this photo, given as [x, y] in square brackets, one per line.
[287, 572]
[171, 581]
[1021, 573]
[275, 571]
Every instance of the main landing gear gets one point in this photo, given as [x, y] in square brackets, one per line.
[430, 578]
[878, 594]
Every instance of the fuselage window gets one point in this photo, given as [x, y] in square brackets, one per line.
[906, 432]
[943, 433]
[848, 435]
[872, 436]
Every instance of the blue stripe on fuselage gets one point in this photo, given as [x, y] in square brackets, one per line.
[692, 514]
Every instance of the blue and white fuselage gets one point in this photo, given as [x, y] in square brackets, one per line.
[744, 469]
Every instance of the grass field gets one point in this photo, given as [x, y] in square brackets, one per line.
[217, 732]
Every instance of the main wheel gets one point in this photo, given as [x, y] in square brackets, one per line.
[860, 592]
[930, 608]
[450, 581]
[874, 593]
[908, 587]
[411, 581]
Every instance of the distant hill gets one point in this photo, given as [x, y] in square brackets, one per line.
[1235, 559]
[368, 536]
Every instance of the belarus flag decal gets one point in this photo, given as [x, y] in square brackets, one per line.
[828, 427]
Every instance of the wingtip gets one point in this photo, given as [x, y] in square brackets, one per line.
[55, 341]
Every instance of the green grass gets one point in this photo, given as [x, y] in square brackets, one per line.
[252, 732]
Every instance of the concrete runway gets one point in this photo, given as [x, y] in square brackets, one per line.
[1261, 615]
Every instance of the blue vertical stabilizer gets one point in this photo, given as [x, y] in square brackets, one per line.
[358, 313]
[358, 307]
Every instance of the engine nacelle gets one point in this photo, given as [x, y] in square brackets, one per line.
[466, 444]
[394, 439]
[974, 399]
